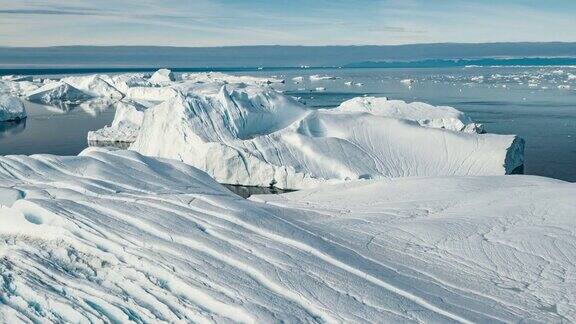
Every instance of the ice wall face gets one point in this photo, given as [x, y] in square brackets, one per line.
[115, 236]
[252, 135]
[11, 108]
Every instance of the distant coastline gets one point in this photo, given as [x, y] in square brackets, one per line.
[133, 58]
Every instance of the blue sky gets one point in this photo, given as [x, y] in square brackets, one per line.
[291, 22]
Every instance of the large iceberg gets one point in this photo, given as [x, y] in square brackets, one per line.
[115, 236]
[11, 108]
[253, 135]
[58, 91]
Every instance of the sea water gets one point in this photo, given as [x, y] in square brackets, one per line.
[536, 103]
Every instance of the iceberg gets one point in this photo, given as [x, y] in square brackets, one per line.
[11, 108]
[94, 85]
[115, 236]
[317, 77]
[211, 77]
[58, 91]
[425, 114]
[125, 126]
[162, 76]
[252, 135]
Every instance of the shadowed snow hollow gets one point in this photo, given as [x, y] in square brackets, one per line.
[115, 236]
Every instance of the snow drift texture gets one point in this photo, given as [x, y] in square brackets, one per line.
[117, 236]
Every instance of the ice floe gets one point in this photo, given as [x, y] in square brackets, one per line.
[11, 108]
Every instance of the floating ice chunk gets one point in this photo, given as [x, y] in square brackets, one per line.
[58, 91]
[425, 114]
[317, 77]
[94, 85]
[407, 81]
[478, 79]
[125, 126]
[320, 89]
[359, 84]
[348, 83]
[298, 79]
[11, 108]
[212, 77]
[564, 87]
[123, 82]
[162, 76]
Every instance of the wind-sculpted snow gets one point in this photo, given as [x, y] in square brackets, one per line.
[491, 249]
[252, 135]
[11, 108]
[115, 236]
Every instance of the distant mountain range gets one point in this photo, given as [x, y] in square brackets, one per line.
[276, 56]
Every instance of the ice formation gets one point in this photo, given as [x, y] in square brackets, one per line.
[162, 76]
[425, 114]
[115, 236]
[252, 135]
[125, 126]
[11, 108]
[58, 91]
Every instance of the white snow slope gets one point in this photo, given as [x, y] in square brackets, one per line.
[115, 236]
[488, 249]
[252, 135]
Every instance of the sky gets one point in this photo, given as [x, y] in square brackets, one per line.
[282, 22]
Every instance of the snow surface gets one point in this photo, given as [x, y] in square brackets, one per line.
[252, 135]
[115, 236]
[11, 108]
[487, 249]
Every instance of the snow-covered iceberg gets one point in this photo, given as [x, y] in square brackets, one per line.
[115, 236]
[252, 135]
[94, 85]
[11, 108]
[124, 128]
[425, 114]
[58, 91]
[162, 76]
